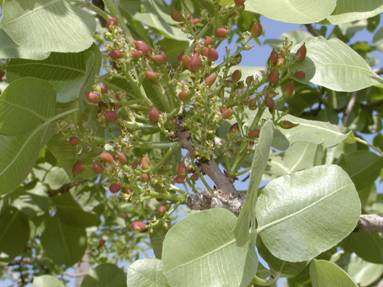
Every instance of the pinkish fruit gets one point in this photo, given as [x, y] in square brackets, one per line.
[221, 32]
[78, 167]
[93, 97]
[110, 116]
[106, 157]
[74, 140]
[154, 115]
[115, 187]
[142, 46]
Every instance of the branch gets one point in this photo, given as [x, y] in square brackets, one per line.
[201, 201]
[210, 167]
[312, 30]
[371, 223]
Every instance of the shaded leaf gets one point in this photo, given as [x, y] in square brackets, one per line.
[146, 273]
[324, 274]
[354, 10]
[105, 275]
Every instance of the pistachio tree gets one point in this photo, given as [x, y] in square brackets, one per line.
[139, 148]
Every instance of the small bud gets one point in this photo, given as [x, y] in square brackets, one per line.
[138, 226]
[101, 243]
[145, 162]
[234, 128]
[102, 87]
[273, 58]
[179, 179]
[226, 113]
[145, 177]
[183, 95]
[78, 167]
[273, 77]
[236, 76]
[212, 54]
[221, 32]
[136, 54]
[154, 115]
[97, 168]
[269, 102]
[160, 58]
[254, 133]
[162, 209]
[300, 55]
[181, 169]
[115, 187]
[208, 41]
[185, 61]
[151, 75]
[110, 116]
[239, 3]
[300, 75]
[121, 157]
[195, 62]
[106, 157]
[288, 89]
[176, 15]
[73, 140]
[142, 46]
[256, 30]
[115, 54]
[209, 80]
[93, 97]
[195, 21]
[111, 22]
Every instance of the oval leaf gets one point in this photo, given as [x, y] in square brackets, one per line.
[354, 10]
[293, 11]
[147, 273]
[295, 211]
[201, 251]
[334, 65]
[46, 281]
[25, 22]
[325, 274]
[105, 275]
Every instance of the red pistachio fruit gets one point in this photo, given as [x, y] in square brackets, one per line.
[221, 32]
[289, 89]
[183, 95]
[115, 54]
[254, 133]
[226, 113]
[195, 62]
[159, 58]
[115, 187]
[138, 226]
[300, 55]
[111, 22]
[195, 21]
[106, 157]
[97, 168]
[273, 58]
[256, 30]
[208, 41]
[300, 75]
[151, 75]
[78, 167]
[92, 97]
[154, 115]
[273, 77]
[236, 76]
[110, 116]
[209, 80]
[137, 54]
[74, 140]
[239, 3]
[121, 157]
[142, 46]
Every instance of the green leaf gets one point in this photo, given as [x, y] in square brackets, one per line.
[292, 11]
[316, 132]
[157, 238]
[325, 274]
[299, 156]
[147, 273]
[20, 152]
[33, 202]
[334, 65]
[156, 18]
[71, 213]
[56, 177]
[354, 10]
[15, 231]
[45, 26]
[25, 104]
[363, 167]
[105, 275]
[46, 281]
[70, 74]
[261, 156]
[362, 272]
[304, 214]
[64, 244]
[201, 251]
[368, 246]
